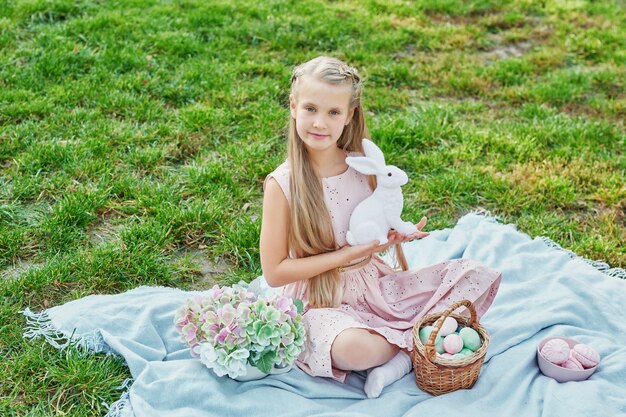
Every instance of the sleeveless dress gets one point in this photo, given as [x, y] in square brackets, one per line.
[375, 296]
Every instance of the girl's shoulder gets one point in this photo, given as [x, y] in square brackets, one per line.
[281, 175]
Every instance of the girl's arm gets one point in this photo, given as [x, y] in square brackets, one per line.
[278, 268]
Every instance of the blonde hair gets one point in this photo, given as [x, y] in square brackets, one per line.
[311, 231]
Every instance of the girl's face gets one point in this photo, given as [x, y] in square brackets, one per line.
[321, 111]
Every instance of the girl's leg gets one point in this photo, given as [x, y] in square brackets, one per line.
[381, 376]
[360, 349]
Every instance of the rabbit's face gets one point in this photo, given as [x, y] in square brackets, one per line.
[391, 177]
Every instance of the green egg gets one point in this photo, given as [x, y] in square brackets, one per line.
[471, 339]
[466, 352]
[425, 334]
[439, 344]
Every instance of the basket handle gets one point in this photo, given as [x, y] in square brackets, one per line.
[429, 348]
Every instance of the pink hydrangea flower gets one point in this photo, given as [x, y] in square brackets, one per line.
[230, 327]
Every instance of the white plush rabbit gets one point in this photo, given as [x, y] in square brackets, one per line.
[376, 215]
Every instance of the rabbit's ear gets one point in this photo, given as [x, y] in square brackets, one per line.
[373, 151]
[364, 165]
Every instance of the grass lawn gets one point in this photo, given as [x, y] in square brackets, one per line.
[135, 136]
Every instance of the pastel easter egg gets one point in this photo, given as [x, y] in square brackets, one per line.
[444, 355]
[466, 352]
[452, 343]
[439, 344]
[471, 338]
[556, 351]
[425, 334]
[586, 355]
[448, 327]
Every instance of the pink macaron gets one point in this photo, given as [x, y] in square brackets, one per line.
[572, 362]
[586, 355]
[556, 351]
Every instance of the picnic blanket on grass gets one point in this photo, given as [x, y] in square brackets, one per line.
[545, 291]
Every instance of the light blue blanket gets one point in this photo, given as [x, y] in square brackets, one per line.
[545, 291]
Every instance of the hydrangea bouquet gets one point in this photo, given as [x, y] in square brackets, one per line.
[231, 327]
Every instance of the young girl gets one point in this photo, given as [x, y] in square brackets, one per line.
[359, 312]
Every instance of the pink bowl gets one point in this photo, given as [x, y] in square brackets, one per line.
[555, 371]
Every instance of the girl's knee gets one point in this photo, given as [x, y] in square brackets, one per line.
[348, 354]
[358, 349]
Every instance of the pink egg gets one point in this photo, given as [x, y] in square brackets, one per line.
[448, 327]
[556, 351]
[452, 343]
[586, 355]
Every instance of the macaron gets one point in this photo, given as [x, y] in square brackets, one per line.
[586, 355]
[572, 363]
[452, 343]
[448, 327]
[471, 338]
[556, 351]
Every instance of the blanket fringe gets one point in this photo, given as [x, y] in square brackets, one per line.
[599, 265]
[480, 211]
[40, 325]
[121, 407]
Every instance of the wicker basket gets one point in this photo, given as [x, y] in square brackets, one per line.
[437, 375]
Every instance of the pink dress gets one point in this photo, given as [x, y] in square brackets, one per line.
[375, 296]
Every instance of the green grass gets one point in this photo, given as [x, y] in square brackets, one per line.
[135, 137]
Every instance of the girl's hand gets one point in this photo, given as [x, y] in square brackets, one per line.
[394, 237]
[418, 234]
